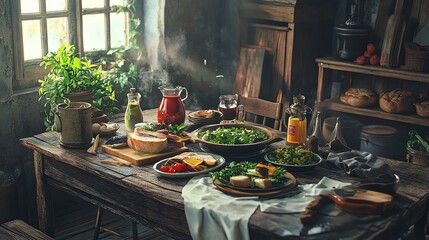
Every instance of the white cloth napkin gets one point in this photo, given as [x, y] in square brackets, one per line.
[212, 214]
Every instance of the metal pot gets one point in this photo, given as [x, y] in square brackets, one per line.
[382, 141]
[73, 121]
[351, 41]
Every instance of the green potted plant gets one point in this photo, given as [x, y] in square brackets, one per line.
[70, 73]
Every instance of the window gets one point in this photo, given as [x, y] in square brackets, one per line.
[41, 26]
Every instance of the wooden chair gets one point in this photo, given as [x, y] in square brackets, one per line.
[259, 111]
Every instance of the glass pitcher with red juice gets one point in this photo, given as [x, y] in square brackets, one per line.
[171, 110]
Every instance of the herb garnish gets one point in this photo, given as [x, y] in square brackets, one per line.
[175, 129]
[241, 168]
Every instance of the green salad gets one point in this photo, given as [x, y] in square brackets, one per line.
[233, 135]
[290, 155]
[241, 168]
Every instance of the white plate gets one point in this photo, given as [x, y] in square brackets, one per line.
[219, 159]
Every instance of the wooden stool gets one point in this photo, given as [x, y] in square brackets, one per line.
[18, 229]
[100, 212]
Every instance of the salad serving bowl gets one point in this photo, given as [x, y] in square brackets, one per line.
[235, 148]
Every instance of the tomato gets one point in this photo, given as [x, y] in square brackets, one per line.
[179, 167]
[171, 170]
[164, 168]
[183, 166]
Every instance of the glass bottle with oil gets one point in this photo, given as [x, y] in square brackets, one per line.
[133, 113]
[297, 121]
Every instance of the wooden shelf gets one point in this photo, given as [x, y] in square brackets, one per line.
[332, 63]
[336, 105]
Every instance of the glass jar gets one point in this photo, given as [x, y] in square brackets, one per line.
[297, 122]
[133, 113]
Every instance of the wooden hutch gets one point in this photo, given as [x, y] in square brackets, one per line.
[294, 33]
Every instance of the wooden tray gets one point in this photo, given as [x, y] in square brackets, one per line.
[139, 158]
[274, 193]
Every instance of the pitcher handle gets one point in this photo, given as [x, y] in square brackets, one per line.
[186, 95]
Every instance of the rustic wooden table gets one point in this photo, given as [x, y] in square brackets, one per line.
[139, 194]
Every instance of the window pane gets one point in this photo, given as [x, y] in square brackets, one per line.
[32, 40]
[116, 2]
[118, 31]
[93, 32]
[92, 3]
[30, 6]
[57, 32]
[56, 5]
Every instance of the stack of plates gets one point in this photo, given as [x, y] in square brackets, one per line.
[205, 117]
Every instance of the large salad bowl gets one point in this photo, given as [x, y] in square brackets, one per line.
[235, 148]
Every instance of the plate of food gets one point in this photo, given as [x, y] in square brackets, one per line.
[253, 179]
[236, 138]
[188, 164]
[205, 117]
[294, 159]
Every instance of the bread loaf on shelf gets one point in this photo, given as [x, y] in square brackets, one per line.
[397, 101]
[359, 97]
[422, 109]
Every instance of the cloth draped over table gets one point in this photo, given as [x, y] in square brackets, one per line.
[362, 164]
[212, 214]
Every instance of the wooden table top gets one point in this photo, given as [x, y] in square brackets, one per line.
[157, 202]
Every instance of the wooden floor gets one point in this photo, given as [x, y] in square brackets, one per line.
[79, 225]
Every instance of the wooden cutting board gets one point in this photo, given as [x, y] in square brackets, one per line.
[364, 201]
[139, 158]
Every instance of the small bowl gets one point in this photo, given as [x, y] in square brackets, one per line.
[104, 130]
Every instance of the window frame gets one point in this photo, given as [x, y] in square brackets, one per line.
[26, 73]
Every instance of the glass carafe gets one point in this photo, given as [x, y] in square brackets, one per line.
[297, 121]
[133, 113]
[229, 107]
[171, 109]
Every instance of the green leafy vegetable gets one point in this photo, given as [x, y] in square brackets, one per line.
[233, 135]
[175, 129]
[293, 156]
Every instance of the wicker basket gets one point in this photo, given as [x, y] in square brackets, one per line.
[416, 57]
[417, 157]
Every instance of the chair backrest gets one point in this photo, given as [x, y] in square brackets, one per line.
[259, 111]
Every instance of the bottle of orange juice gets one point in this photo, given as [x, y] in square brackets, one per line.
[297, 122]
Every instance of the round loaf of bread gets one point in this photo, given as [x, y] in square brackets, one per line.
[146, 141]
[359, 97]
[397, 101]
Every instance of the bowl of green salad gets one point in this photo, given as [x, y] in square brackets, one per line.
[234, 138]
[294, 159]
